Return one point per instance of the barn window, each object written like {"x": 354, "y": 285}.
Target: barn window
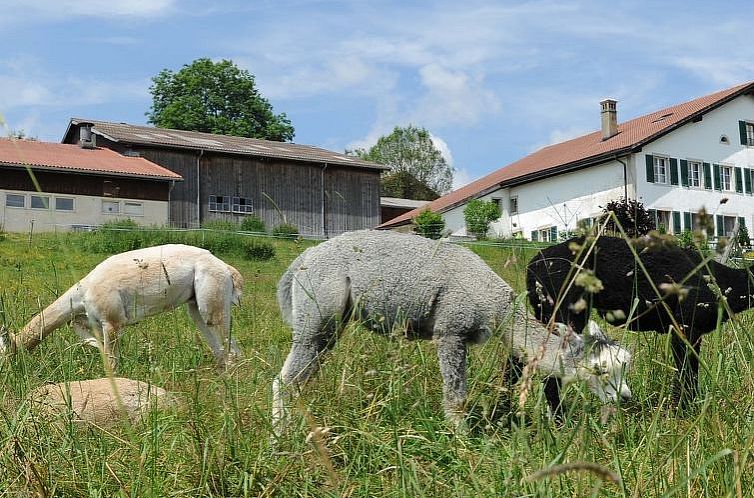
{"x": 15, "y": 200}
{"x": 133, "y": 208}
{"x": 40, "y": 202}
{"x": 110, "y": 207}
{"x": 242, "y": 205}
{"x": 219, "y": 203}
{"x": 63, "y": 204}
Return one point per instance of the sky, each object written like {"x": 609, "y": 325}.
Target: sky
{"x": 492, "y": 81}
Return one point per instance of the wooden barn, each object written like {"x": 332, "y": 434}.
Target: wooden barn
{"x": 323, "y": 193}
{"x": 49, "y": 186}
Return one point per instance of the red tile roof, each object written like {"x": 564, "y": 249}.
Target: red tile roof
{"x": 582, "y": 151}
{"x": 73, "y": 158}
{"x": 166, "y": 137}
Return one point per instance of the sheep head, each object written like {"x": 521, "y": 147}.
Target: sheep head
{"x": 601, "y": 362}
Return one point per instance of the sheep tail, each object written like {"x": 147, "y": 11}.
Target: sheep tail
{"x": 238, "y": 282}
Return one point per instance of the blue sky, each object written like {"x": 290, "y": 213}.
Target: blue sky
{"x": 492, "y": 81}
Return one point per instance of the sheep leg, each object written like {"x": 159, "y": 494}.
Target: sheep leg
{"x": 686, "y": 384}
{"x": 451, "y": 353}
{"x": 552, "y": 395}
{"x": 302, "y": 362}
{"x": 110, "y": 345}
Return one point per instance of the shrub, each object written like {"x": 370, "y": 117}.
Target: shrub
{"x": 286, "y": 231}
{"x": 632, "y": 216}
{"x": 258, "y": 250}
{"x": 220, "y": 225}
{"x": 429, "y": 224}
{"x": 478, "y": 215}
{"x": 253, "y": 223}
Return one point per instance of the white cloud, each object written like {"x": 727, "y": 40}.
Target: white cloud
{"x": 443, "y": 147}
{"x": 462, "y": 177}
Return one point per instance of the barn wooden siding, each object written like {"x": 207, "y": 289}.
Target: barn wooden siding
{"x": 276, "y": 187}
{"x": 75, "y": 183}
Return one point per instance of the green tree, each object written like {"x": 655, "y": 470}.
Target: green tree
{"x": 479, "y": 214}
{"x": 215, "y": 97}
{"x": 410, "y": 153}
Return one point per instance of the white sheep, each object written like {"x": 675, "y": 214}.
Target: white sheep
{"x": 127, "y": 287}
{"x": 436, "y": 290}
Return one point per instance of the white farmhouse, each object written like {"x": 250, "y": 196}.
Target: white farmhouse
{"x": 676, "y": 161}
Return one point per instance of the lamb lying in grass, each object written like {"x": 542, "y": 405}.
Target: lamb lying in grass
{"x": 438, "y": 291}
{"x": 130, "y": 286}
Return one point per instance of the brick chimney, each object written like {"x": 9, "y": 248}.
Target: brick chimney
{"x": 609, "y": 116}
{"x": 87, "y": 139}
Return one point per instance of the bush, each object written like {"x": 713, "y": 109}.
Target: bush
{"x": 220, "y": 225}
{"x": 429, "y": 224}
{"x": 632, "y": 216}
{"x": 253, "y": 223}
{"x": 286, "y": 231}
{"x": 258, "y": 250}
{"x": 478, "y": 215}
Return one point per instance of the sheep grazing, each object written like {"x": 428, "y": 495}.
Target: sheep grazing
{"x": 691, "y": 292}
{"x": 130, "y": 286}
{"x": 436, "y": 290}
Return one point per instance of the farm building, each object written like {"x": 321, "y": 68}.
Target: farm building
{"x": 394, "y": 206}
{"x": 323, "y": 193}
{"x": 675, "y": 160}
{"x": 50, "y": 186}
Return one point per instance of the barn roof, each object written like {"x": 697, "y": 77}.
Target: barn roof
{"x": 583, "y": 151}
{"x": 73, "y": 158}
{"x": 195, "y": 140}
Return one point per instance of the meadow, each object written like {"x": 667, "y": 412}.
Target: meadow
{"x": 371, "y": 423}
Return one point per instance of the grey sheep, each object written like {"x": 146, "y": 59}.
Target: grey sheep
{"x": 436, "y": 290}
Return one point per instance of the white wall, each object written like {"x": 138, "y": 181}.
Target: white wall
{"x": 87, "y": 210}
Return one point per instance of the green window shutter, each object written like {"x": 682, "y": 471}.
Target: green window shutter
{"x": 673, "y": 171}
{"x": 707, "y": 176}
{"x": 553, "y": 234}
{"x": 677, "y": 222}
{"x": 747, "y": 180}
{"x": 739, "y": 181}
{"x": 653, "y": 216}
{"x": 687, "y": 221}
{"x": 742, "y": 131}
{"x": 534, "y": 235}
{"x": 684, "y": 173}
{"x": 650, "y": 168}
{"x": 720, "y": 225}
{"x": 716, "y": 174}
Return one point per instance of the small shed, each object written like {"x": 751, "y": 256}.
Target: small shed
{"x": 392, "y": 207}
{"x": 49, "y": 186}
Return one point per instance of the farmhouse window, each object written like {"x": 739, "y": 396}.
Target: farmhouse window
{"x": 661, "y": 169}
{"x": 110, "y": 207}
{"x": 242, "y": 205}
{"x": 133, "y": 208}
{"x": 513, "y": 208}
{"x": 219, "y": 203}
{"x": 726, "y": 173}
{"x": 695, "y": 174}
{"x": 15, "y": 200}
{"x": 63, "y": 204}
{"x": 549, "y": 234}
{"x": 40, "y": 202}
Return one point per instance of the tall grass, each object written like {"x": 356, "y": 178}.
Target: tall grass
{"x": 375, "y": 409}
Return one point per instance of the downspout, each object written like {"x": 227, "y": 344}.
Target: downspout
{"x": 625, "y": 178}
{"x": 198, "y": 189}
{"x": 322, "y": 195}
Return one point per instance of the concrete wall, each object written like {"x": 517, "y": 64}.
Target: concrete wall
{"x": 87, "y": 210}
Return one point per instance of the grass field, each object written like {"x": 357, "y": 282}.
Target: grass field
{"x": 378, "y": 403}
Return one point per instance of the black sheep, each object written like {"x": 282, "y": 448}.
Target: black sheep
{"x": 690, "y": 294}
